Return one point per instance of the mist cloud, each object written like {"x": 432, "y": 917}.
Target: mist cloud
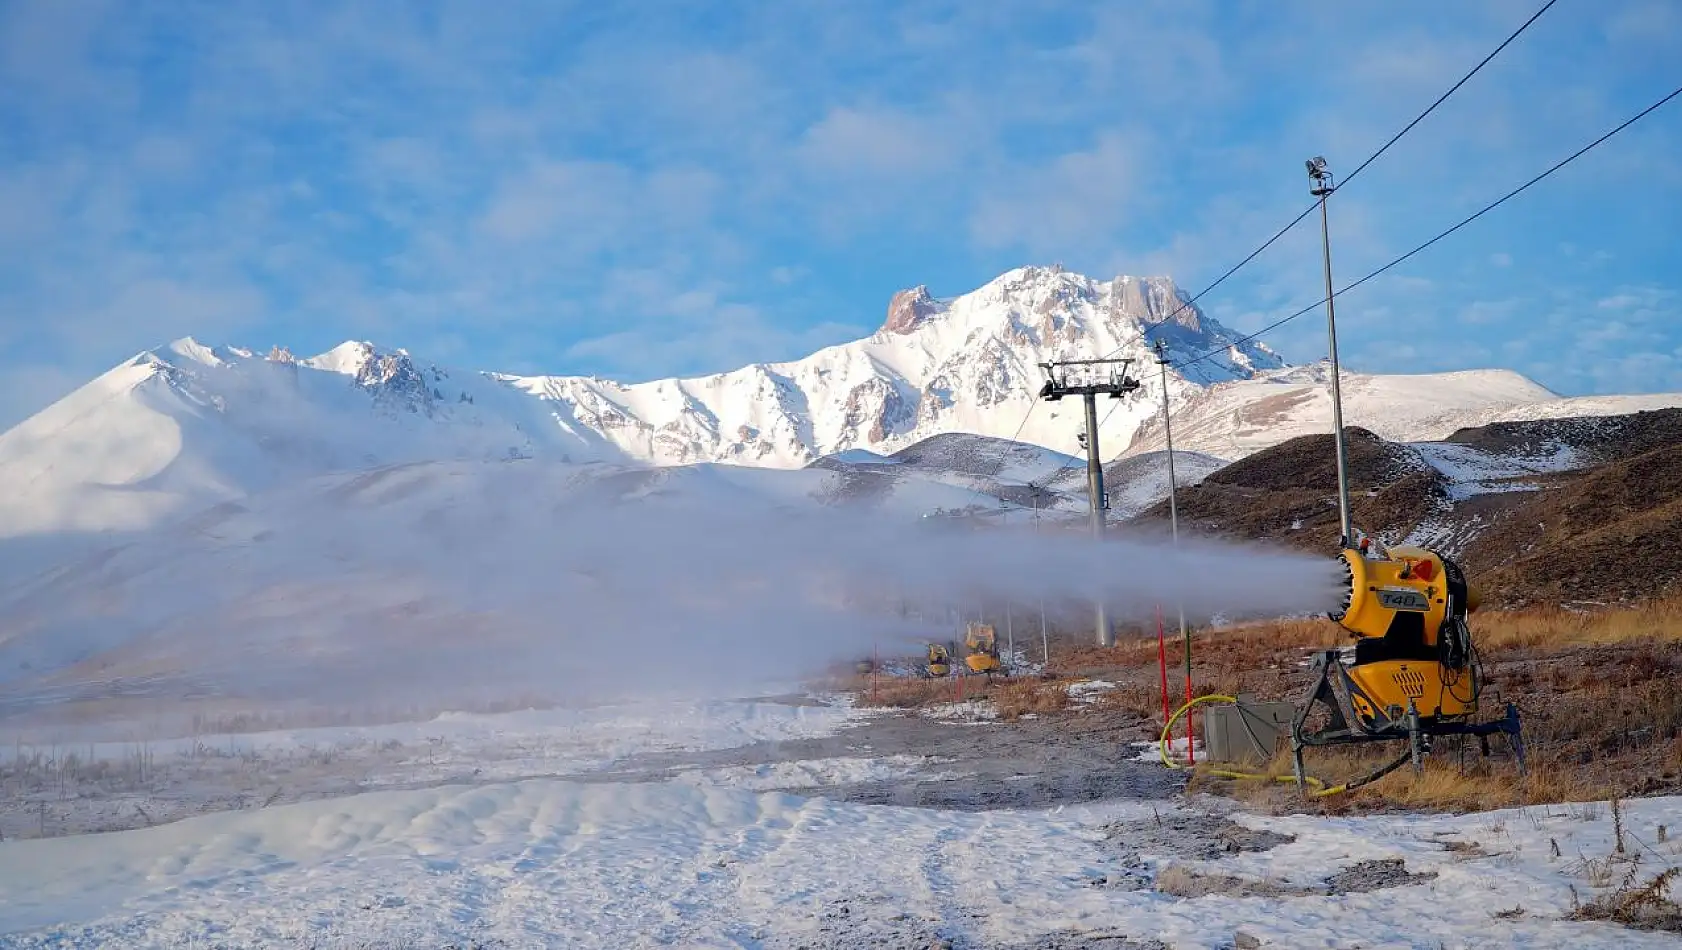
{"x": 428, "y": 582}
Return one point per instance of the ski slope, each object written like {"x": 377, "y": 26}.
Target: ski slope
{"x": 547, "y": 863}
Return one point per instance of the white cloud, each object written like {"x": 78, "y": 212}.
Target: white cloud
{"x": 1078, "y": 197}
{"x": 851, "y": 141}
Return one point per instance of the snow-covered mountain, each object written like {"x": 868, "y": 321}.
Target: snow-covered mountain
{"x": 963, "y": 365}
{"x": 187, "y": 426}
{"x": 1231, "y": 420}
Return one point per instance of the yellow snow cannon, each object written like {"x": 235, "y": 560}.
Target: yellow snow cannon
{"x": 1415, "y": 672}
{"x": 983, "y": 644}
{"x": 939, "y": 662}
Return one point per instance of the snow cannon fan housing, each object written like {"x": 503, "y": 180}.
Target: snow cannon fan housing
{"x": 1407, "y": 611}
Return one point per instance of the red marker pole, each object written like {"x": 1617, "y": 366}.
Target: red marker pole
{"x": 1191, "y": 752}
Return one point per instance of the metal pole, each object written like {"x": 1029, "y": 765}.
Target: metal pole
{"x": 1174, "y": 510}
{"x": 1045, "y": 640}
{"x": 1095, "y": 490}
{"x": 1322, "y": 188}
{"x": 1010, "y": 635}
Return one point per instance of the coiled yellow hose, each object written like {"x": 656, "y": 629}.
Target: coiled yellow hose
{"x": 1162, "y": 746}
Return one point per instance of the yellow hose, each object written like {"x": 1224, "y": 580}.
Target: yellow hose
{"x": 1162, "y": 747}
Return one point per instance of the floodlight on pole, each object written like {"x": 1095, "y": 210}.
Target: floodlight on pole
{"x": 1323, "y": 185}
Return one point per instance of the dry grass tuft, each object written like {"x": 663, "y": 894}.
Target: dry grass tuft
{"x": 895, "y": 692}
{"x": 1440, "y": 786}
{"x": 1012, "y": 695}
{"x": 1642, "y": 906}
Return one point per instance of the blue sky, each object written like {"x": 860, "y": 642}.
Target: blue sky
{"x": 681, "y": 187}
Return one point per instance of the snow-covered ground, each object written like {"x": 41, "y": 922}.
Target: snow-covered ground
{"x": 735, "y": 856}
{"x": 76, "y": 787}
{"x": 550, "y": 863}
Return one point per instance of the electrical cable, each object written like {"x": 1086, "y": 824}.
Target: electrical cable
{"x": 1440, "y": 99}
{"x": 1463, "y": 222}
{"x": 1321, "y": 789}
{"x": 1358, "y": 169}
{"x": 1144, "y": 329}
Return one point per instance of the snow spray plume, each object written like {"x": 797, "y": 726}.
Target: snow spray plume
{"x": 434, "y": 584}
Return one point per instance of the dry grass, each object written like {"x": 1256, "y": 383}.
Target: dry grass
{"x": 1019, "y": 694}
{"x": 896, "y": 692}
{"x": 1440, "y": 786}
{"x": 1545, "y": 628}
{"x": 1035, "y": 696}
{"x": 1599, "y": 695}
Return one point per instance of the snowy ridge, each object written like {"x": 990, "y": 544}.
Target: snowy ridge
{"x": 967, "y": 365}
{"x": 1233, "y": 419}
{"x": 188, "y": 425}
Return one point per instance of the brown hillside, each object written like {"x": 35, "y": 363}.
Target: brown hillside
{"x": 1595, "y": 439}
{"x": 1287, "y": 493}
{"x": 1606, "y": 534}
{"x": 1609, "y": 531}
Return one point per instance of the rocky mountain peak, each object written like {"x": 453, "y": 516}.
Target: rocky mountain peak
{"x": 909, "y": 308}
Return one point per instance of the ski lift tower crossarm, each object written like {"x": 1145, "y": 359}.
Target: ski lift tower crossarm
{"x": 1117, "y": 384}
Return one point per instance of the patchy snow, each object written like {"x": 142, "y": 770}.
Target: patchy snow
{"x": 1472, "y": 471}
{"x": 1087, "y": 691}
{"x": 82, "y": 787}
{"x": 814, "y": 773}
{"x": 602, "y": 865}
{"x": 1152, "y": 751}
{"x": 969, "y": 710}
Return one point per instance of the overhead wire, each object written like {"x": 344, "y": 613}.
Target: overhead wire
{"x": 1144, "y": 329}
{"x": 1462, "y": 223}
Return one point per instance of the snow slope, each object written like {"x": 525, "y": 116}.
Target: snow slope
{"x": 548, "y": 863}
{"x": 187, "y": 426}
{"x": 1233, "y": 419}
